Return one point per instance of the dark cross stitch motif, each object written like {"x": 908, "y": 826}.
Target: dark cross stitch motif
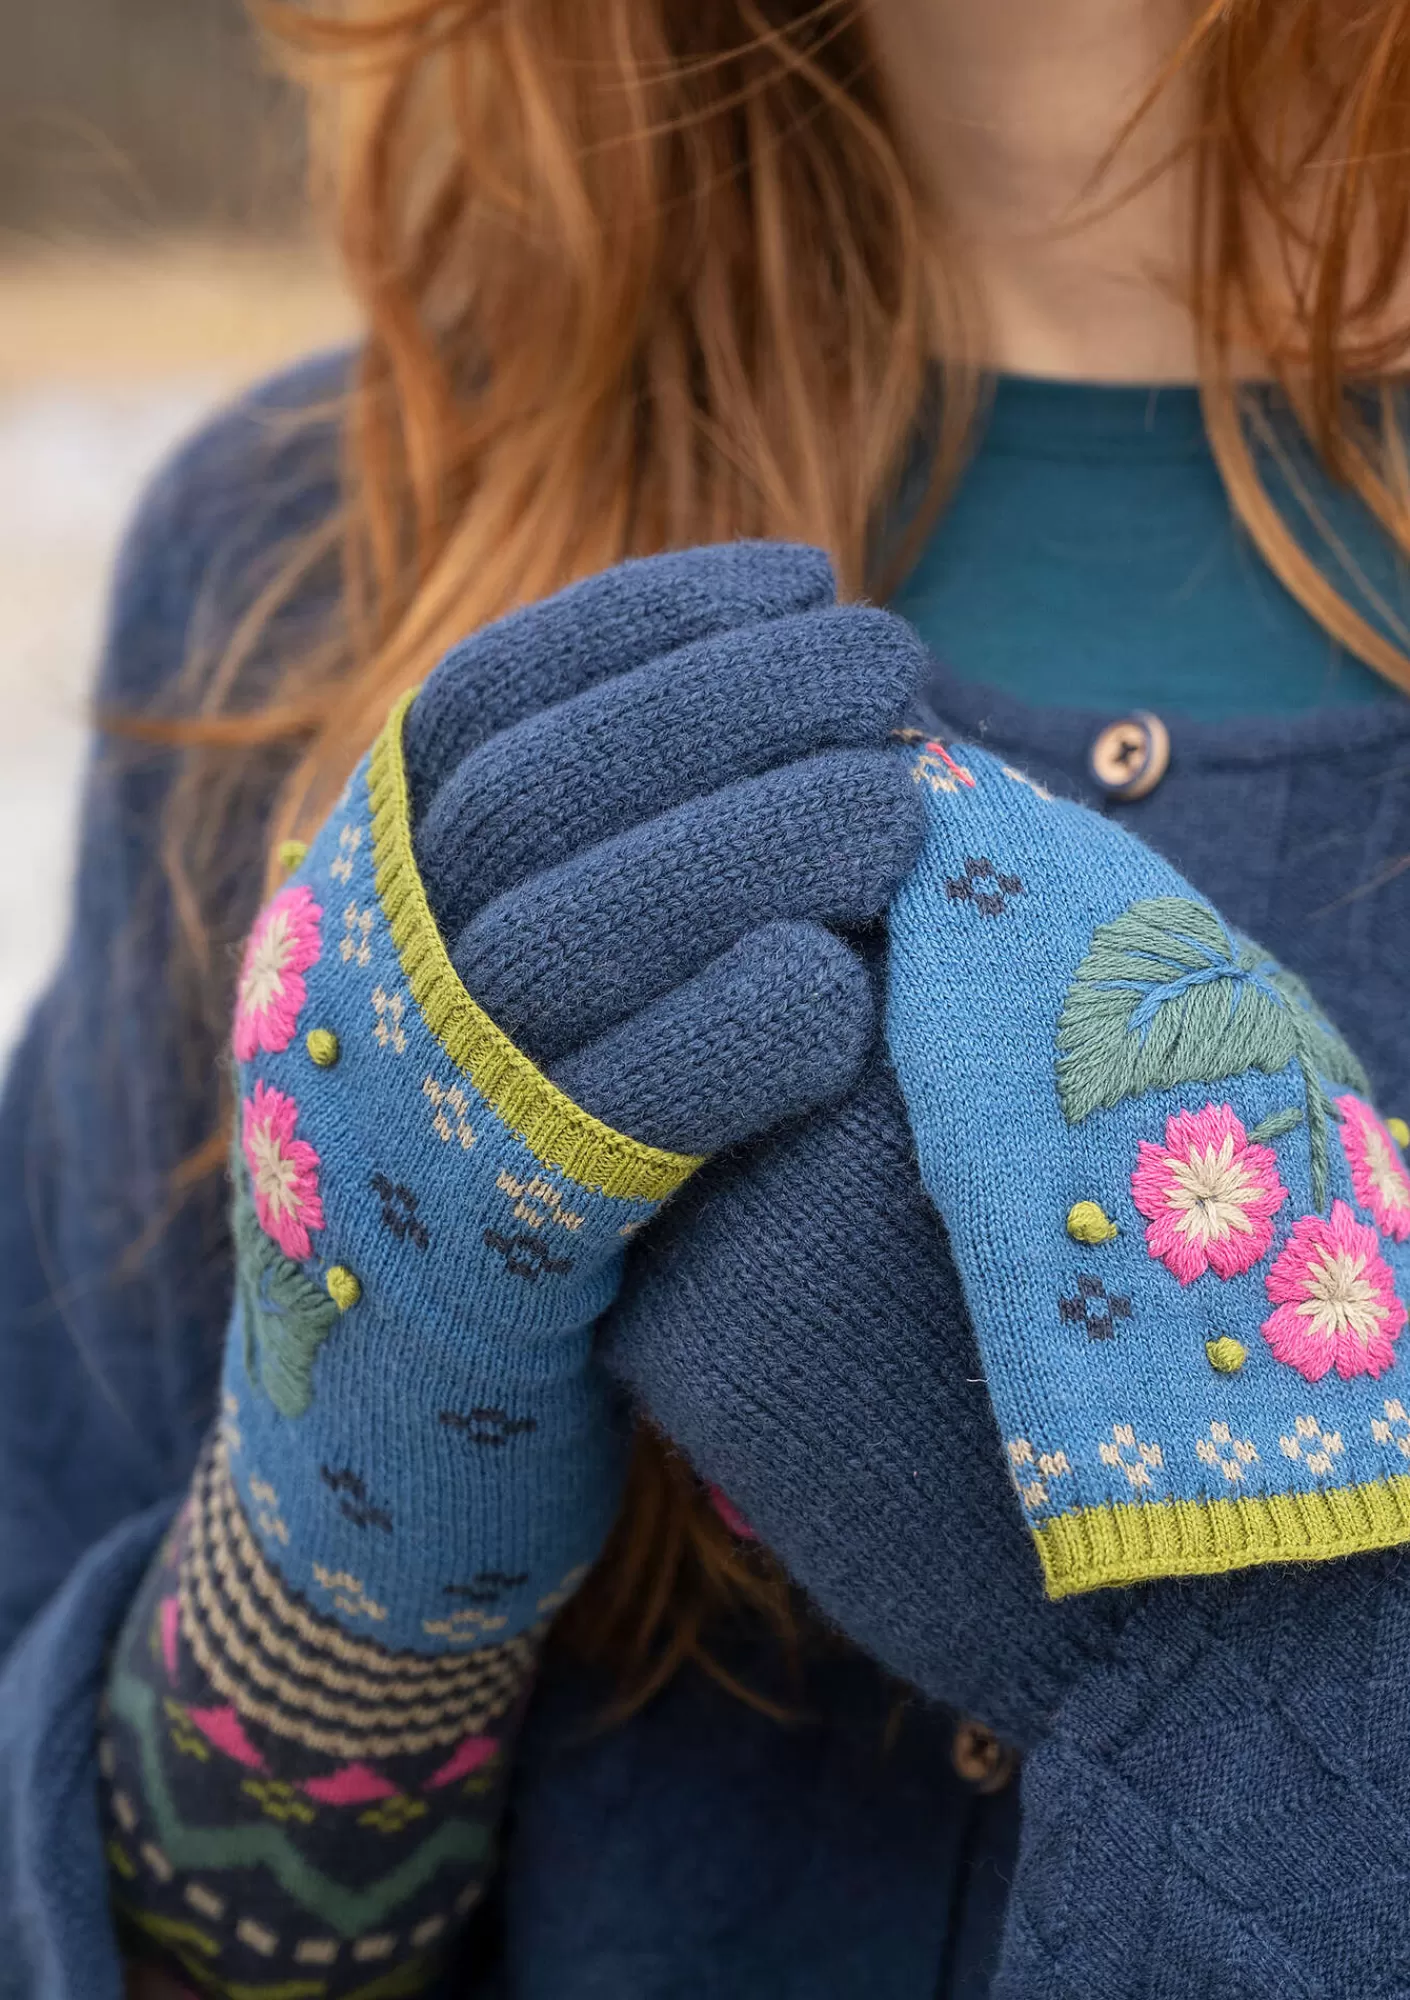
{"x": 990, "y": 902}
{"x": 399, "y": 1206}
{"x": 487, "y": 1426}
{"x": 1094, "y": 1309}
{"x": 487, "y": 1586}
{"x": 525, "y": 1256}
{"x": 354, "y": 1505}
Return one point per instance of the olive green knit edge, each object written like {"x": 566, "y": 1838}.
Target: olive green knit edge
{"x": 1095, "y": 1547}
{"x": 559, "y": 1133}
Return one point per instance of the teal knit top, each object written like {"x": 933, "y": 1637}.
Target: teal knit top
{"x": 1091, "y": 560}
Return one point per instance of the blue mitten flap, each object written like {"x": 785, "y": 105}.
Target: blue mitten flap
{"x": 1183, "y": 1230}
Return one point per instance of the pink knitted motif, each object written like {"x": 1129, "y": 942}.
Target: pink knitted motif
{"x": 353, "y": 1785}
{"x": 223, "y": 1728}
{"x": 170, "y": 1617}
{"x": 462, "y": 1763}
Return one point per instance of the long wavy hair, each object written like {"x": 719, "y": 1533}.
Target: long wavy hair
{"x": 637, "y": 274}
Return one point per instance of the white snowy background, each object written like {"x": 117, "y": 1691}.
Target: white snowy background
{"x": 102, "y": 370}
{"x": 71, "y": 460}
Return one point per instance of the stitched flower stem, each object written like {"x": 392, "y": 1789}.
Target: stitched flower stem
{"x": 1320, "y": 1112}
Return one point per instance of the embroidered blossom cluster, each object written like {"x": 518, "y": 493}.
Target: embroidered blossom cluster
{"x": 1210, "y": 1195}
{"x": 271, "y": 993}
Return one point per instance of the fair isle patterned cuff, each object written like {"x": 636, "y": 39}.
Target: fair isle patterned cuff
{"x": 1183, "y": 1231}
{"x": 298, "y": 1674}
{"x": 293, "y": 1812}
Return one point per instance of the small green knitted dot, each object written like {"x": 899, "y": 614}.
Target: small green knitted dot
{"x": 1399, "y": 1131}
{"x": 343, "y": 1288}
{"x": 1087, "y": 1223}
{"x": 322, "y": 1045}
{"x": 291, "y": 853}
{"x": 1227, "y": 1355}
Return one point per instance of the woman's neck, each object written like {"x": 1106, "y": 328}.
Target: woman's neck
{"x": 1008, "y": 108}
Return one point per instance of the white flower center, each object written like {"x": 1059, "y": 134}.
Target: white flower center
{"x": 1212, "y": 1193}
{"x": 1341, "y": 1299}
{"x": 274, "y": 1173}
{"x": 263, "y": 979}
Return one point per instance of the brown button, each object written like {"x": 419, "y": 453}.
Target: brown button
{"x": 980, "y": 1758}
{"x": 1131, "y": 757}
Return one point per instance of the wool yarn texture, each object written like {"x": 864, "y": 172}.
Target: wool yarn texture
{"x": 1182, "y": 1228}
{"x": 426, "y": 1231}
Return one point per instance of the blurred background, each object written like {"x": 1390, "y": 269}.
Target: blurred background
{"x": 155, "y": 256}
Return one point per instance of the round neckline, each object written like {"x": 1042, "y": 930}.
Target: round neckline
{"x": 1065, "y": 735}
{"x": 1055, "y": 419}
{"x": 1046, "y": 417}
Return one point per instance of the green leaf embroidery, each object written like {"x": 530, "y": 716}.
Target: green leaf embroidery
{"x": 1166, "y": 995}
{"x": 1276, "y": 1125}
{"x": 286, "y": 1316}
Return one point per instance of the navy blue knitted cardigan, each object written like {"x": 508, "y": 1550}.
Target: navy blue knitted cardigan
{"x": 701, "y": 1850}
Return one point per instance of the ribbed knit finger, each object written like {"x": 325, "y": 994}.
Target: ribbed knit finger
{"x": 778, "y": 1026}
{"x": 572, "y": 952}
{"x": 629, "y": 749}
{"x": 606, "y": 625}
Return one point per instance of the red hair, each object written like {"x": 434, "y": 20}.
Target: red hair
{"x": 639, "y": 274}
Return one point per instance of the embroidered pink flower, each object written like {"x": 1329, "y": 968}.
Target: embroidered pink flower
{"x": 1335, "y": 1299}
{"x": 1208, "y": 1195}
{"x": 283, "y": 1171}
{"x": 282, "y": 946}
{"x": 1377, "y": 1171}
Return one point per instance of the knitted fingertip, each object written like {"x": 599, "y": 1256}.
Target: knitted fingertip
{"x": 595, "y": 630}
{"x": 713, "y": 715}
{"x": 771, "y": 1030}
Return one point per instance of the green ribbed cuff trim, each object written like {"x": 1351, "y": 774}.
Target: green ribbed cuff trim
{"x": 558, "y": 1132}
{"x": 1095, "y": 1547}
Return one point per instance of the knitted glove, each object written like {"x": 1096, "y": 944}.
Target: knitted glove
{"x": 631, "y": 886}
{"x": 794, "y": 1322}
{"x": 1179, "y": 1228}
{"x": 418, "y": 1456}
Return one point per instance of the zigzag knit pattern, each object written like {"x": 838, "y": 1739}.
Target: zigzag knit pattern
{"x": 1183, "y": 1231}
